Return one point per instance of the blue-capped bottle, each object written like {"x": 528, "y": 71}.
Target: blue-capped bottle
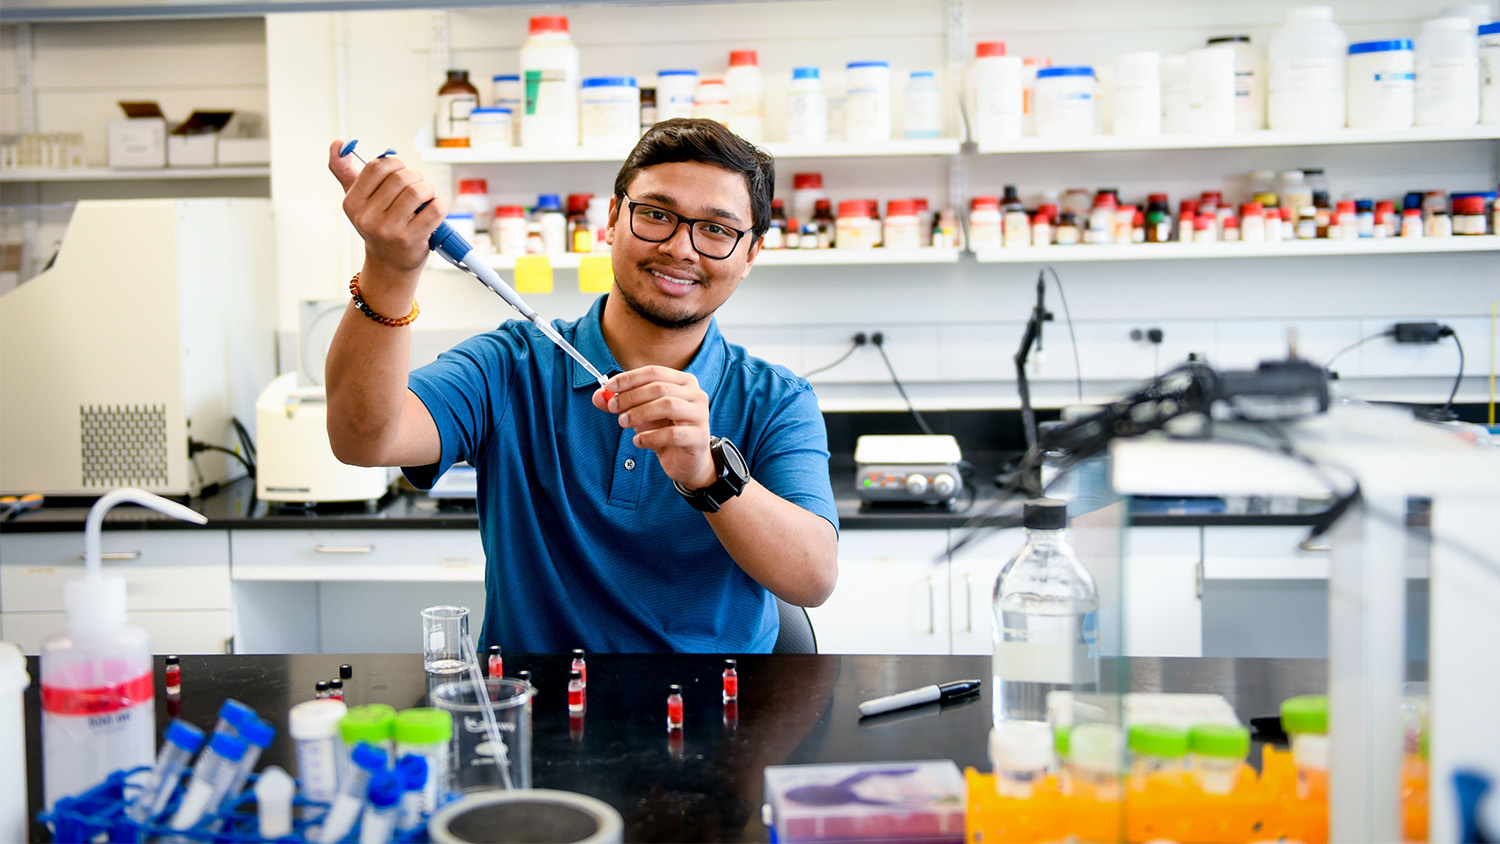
{"x": 1045, "y": 618}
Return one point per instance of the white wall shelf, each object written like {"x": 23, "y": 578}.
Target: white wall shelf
{"x": 900, "y": 147}
{"x": 1267, "y": 138}
{"x": 767, "y": 258}
{"x": 105, "y": 174}
{"x": 1201, "y": 251}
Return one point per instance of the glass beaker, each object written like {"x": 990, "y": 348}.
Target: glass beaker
{"x": 478, "y": 764}
{"x": 444, "y": 630}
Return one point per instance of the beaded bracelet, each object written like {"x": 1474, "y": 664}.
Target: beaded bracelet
{"x": 359, "y": 302}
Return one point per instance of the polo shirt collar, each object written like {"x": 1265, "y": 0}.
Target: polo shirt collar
{"x": 707, "y": 365}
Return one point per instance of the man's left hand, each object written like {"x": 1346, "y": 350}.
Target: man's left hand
{"x": 669, "y": 413}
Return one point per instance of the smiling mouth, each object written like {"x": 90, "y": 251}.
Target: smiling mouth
{"x": 672, "y": 279}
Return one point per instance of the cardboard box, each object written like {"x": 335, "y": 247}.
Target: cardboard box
{"x": 139, "y": 141}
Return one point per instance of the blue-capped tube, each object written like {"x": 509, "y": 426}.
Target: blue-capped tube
{"x": 211, "y": 776}
{"x": 379, "y": 819}
{"x": 412, "y": 769}
{"x": 232, "y": 715}
{"x": 368, "y": 761}
{"x": 257, "y": 733}
{"x": 183, "y": 740}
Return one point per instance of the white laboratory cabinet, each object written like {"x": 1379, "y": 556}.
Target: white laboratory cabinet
{"x": 891, "y": 597}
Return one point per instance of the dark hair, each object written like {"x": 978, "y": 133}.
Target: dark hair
{"x": 708, "y": 142}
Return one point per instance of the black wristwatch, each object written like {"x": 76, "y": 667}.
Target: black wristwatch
{"x": 733, "y": 474}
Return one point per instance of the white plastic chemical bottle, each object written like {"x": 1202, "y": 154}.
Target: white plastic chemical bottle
{"x": 806, "y": 108}
{"x": 97, "y": 690}
{"x": 549, "y": 85}
{"x": 1305, "y": 79}
{"x": 1045, "y": 615}
{"x": 922, "y": 106}
{"x": 1249, "y": 82}
{"x": 1447, "y": 84}
{"x": 994, "y": 94}
{"x": 746, "y": 96}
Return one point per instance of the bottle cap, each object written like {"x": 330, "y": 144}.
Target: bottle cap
{"x": 1346, "y": 206}
{"x": 322, "y": 685}
{"x": 979, "y": 203}
{"x": 227, "y": 746}
{"x": 1056, "y": 72}
{"x": 549, "y": 23}
{"x": 1158, "y": 740}
{"x": 1219, "y": 740}
{"x": 856, "y": 208}
{"x": 778, "y": 202}
{"x": 368, "y": 757}
{"x": 985, "y": 49}
{"x": 336, "y": 683}
{"x": 1468, "y": 205}
{"x": 1310, "y": 13}
{"x": 235, "y": 713}
{"x": 423, "y": 725}
{"x": 1448, "y": 25}
{"x": 1229, "y": 39}
{"x": 1305, "y": 714}
{"x": 473, "y": 186}
{"x": 1380, "y": 46}
{"x": 822, "y": 205}
{"x": 578, "y": 203}
{"x": 677, "y": 72}
{"x": 920, "y": 202}
{"x": 371, "y": 722}
{"x": 346, "y": 671}
{"x": 1045, "y": 514}
{"x": 856, "y": 65}
{"x": 742, "y": 58}
{"x": 575, "y": 674}
{"x": 1095, "y": 746}
{"x": 315, "y": 719}
{"x": 258, "y": 732}
{"x": 385, "y": 790}
{"x": 494, "y": 650}
{"x": 805, "y": 73}
{"x": 1487, "y": 29}
{"x": 510, "y": 211}
{"x": 729, "y": 663}
{"x": 548, "y": 202}
{"x": 173, "y": 659}
{"x": 901, "y": 207}
{"x": 412, "y": 769}
{"x": 609, "y": 82}
{"x": 578, "y": 653}
{"x": 807, "y": 181}
{"x": 921, "y": 74}
{"x": 185, "y": 735}
{"x": 1251, "y": 209}
{"x": 674, "y": 689}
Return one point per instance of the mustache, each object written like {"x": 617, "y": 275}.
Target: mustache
{"x": 648, "y": 266}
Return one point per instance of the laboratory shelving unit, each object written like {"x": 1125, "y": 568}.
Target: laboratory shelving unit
{"x": 898, "y": 147}
{"x": 1240, "y": 250}
{"x": 105, "y": 174}
{"x": 1238, "y": 140}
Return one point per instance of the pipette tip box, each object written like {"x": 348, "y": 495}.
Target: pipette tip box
{"x": 920, "y": 801}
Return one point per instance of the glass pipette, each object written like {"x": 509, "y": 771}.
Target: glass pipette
{"x": 455, "y": 250}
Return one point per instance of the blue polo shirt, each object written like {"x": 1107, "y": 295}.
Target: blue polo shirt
{"x": 588, "y": 543}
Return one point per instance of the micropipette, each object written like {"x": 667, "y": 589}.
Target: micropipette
{"x": 455, "y": 250}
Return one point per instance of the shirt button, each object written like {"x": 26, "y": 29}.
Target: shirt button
{"x": 629, "y": 463}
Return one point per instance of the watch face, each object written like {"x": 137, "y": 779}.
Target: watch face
{"x": 733, "y": 459}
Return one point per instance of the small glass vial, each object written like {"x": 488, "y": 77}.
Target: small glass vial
{"x": 321, "y": 690}
{"x": 731, "y": 681}
{"x": 1218, "y": 752}
{"x": 1411, "y": 222}
{"x": 1305, "y": 719}
{"x": 172, "y": 675}
{"x": 732, "y": 716}
{"x": 575, "y": 691}
{"x": 1468, "y": 215}
{"x": 1157, "y": 750}
{"x": 674, "y": 707}
{"x": 336, "y": 689}
{"x": 579, "y": 666}
{"x": 525, "y": 677}
{"x": 1020, "y": 754}
{"x": 1439, "y": 224}
{"x": 1094, "y": 752}
{"x": 496, "y": 663}
{"x": 455, "y": 101}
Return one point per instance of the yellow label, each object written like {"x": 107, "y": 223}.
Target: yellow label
{"x": 533, "y": 274}
{"x": 596, "y": 274}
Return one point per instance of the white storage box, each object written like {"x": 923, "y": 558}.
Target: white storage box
{"x": 244, "y": 152}
{"x": 140, "y": 141}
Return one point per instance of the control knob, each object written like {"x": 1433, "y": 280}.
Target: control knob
{"x": 944, "y": 485}
{"x": 916, "y": 484}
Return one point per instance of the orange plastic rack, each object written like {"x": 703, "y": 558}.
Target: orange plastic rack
{"x": 1260, "y": 808}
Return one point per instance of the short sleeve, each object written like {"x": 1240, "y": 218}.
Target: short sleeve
{"x": 790, "y": 457}
{"x": 460, "y": 389}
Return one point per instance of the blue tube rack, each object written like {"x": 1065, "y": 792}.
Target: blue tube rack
{"x": 102, "y": 811}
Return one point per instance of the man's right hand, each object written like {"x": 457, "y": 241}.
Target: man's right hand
{"x": 382, "y": 200}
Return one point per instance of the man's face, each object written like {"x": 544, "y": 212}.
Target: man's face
{"x": 670, "y": 284}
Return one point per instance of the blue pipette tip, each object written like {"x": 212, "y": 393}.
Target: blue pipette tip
{"x": 348, "y": 148}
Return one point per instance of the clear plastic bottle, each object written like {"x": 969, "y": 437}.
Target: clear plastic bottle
{"x": 1045, "y": 606}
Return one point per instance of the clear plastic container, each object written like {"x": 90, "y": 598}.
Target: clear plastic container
{"x": 1305, "y": 71}
{"x": 1095, "y": 754}
{"x": 507, "y": 93}
{"x": 806, "y": 107}
{"x": 746, "y": 96}
{"x": 868, "y": 105}
{"x": 1065, "y": 102}
{"x": 1218, "y": 753}
{"x": 995, "y": 94}
{"x": 1044, "y": 611}
{"x": 1157, "y": 750}
{"x": 314, "y": 728}
{"x": 1447, "y": 65}
{"x": 549, "y": 71}
{"x": 1249, "y": 82}
{"x": 490, "y": 128}
{"x": 1305, "y": 720}
{"x": 1382, "y": 84}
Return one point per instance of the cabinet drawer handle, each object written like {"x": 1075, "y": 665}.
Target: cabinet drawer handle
{"x": 968, "y": 602}
{"x": 345, "y": 549}
{"x": 931, "y": 607}
{"x": 115, "y": 555}
{"x": 1310, "y": 545}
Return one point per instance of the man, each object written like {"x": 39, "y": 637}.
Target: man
{"x": 618, "y": 524}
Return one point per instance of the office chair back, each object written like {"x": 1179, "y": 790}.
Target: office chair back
{"x": 796, "y": 636}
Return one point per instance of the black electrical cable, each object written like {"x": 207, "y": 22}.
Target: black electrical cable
{"x": 247, "y": 444}
{"x": 199, "y": 446}
{"x": 859, "y": 340}
{"x": 1447, "y": 411}
{"x": 1068, "y": 314}
{"x": 880, "y": 347}
{"x": 1328, "y": 367}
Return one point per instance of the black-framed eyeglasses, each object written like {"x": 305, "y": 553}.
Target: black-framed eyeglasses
{"x": 709, "y": 238}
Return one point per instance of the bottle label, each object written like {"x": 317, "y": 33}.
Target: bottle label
{"x": 453, "y": 117}
{"x": 98, "y": 700}
{"x": 546, "y": 92}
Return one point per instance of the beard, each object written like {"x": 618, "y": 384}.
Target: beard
{"x": 671, "y": 319}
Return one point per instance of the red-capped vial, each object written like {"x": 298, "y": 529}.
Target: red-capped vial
{"x": 575, "y": 691}
{"x": 731, "y": 681}
{"x": 579, "y": 665}
{"x": 674, "y": 707}
{"x": 172, "y": 675}
{"x": 497, "y": 665}
{"x": 336, "y": 688}
{"x": 321, "y": 689}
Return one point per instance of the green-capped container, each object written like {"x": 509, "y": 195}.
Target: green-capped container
{"x": 1305, "y": 714}
{"x": 423, "y": 725}
{"x": 1219, "y": 751}
{"x": 1161, "y": 740}
{"x": 371, "y": 723}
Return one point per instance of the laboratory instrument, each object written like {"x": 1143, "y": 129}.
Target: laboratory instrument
{"x": 919, "y": 696}
{"x": 560, "y": 812}
{"x": 98, "y": 681}
{"x": 1020, "y": 754}
{"x": 182, "y": 741}
{"x": 907, "y": 469}
{"x": 366, "y": 762}
{"x": 295, "y": 462}
{"x": 444, "y": 630}
{"x": 456, "y": 251}
{"x": 371, "y": 723}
